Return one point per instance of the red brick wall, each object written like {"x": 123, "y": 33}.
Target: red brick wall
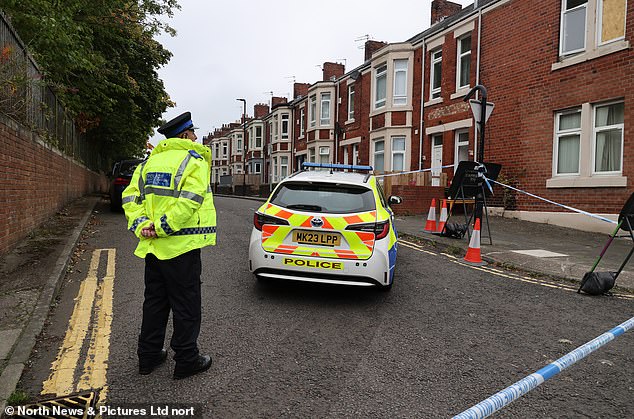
{"x": 517, "y": 71}
{"x": 378, "y": 121}
{"x": 399, "y": 118}
{"x": 36, "y": 181}
{"x": 416, "y": 199}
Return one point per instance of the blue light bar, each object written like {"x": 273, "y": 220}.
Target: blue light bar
{"x": 337, "y": 166}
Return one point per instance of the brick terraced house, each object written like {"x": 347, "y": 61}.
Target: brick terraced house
{"x": 560, "y": 73}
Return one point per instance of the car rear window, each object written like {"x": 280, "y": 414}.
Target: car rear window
{"x": 127, "y": 167}
{"x": 324, "y": 197}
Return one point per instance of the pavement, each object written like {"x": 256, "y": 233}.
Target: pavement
{"x": 31, "y": 274}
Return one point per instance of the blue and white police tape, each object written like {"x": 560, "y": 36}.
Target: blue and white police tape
{"x": 598, "y": 217}
{"x": 496, "y": 402}
{"x": 417, "y": 171}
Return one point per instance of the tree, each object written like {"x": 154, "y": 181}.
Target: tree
{"x": 101, "y": 58}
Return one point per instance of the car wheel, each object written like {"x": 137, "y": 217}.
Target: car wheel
{"x": 386, "y": 288}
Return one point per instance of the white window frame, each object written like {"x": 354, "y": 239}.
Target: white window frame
{"x": 562, "y": 27}
{"x": 398, "y": 152}
{"x": 324, "y": 108}
{"x": 460, "y": 143}
{"x": 283, "y": 167}
{"x": 324, "y": 154}
{"x": 588, "y": 177}
{"x": 351, "y": 94}
{"x": 400, "y": 69}
{"x": 355, "y": 154}
{"x": 436, "y": 58}
{"x": 380, "y": 73}
{"x": 376, "y": 153}
{"x": 257, "y": 168}
{"x": 462, "y": 54}
{"x": 312, "y": 111}
{"x": 302, "y": 121}
{"x": 225, "y": 149}
{"x": 258, "y": 138}
{"x": 565, "y": 133}
{"x": 276, "y": 128}
{"x": 238, "y": 143}
{"x": 285, "y": 126}
{"x": 596, "y": 130}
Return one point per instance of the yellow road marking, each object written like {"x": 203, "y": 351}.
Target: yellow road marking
{"x": 96, "y": 365}
{"x": 93, "y": 296}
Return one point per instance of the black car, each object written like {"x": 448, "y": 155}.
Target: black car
{"x": 122, "y": 172}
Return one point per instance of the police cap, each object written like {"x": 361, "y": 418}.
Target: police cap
{"x": 177, "y": 125}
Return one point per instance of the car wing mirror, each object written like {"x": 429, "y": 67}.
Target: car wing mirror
{"x": 394, "y": 199}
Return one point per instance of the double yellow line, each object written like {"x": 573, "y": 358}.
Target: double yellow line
{"x": 92, "y": 313}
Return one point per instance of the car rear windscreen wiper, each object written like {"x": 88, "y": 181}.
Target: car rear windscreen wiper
{"x": 306, "y": 207}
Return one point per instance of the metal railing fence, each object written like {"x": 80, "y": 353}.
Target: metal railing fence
{"x": 26, "y": 98}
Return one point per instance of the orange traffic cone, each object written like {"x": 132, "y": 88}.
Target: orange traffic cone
{"x": 473, "y": 256}
{"x": 430, "y": 225}
{"x": 443, "y": 216}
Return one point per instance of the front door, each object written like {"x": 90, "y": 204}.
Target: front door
{"x": 436, "y": 159}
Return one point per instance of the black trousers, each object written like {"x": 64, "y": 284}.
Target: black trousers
{"x": 172, "y": 284}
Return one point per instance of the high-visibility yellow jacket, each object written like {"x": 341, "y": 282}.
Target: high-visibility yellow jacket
{"x": 171, "y": 189}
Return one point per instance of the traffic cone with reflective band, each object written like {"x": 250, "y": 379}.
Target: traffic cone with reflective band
{"x": 430, "y": 225}
{"x": 473, "y": 256}
{"x": 443, "y": 216}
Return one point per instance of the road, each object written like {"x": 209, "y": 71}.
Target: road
{"x": 445, "y": 337}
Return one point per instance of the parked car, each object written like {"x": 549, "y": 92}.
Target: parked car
{"x": 331, "y": 226}
{"x": 122, "y": 172}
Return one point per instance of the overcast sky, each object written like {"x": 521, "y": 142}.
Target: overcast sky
{"x": 225, "y": 50}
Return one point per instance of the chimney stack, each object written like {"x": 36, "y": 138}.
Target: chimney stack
{"x": 300, "y": 89}
{"x": 260, "y": 110}
{"x": 333, "y": 71}
{"x": 442, "y": 9}
{"x": 371, "y": 47}
{"x": 275, "y": 100}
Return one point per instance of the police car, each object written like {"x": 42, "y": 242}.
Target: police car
{"x": 326, "y": 225}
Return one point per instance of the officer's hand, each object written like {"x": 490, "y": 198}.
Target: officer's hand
{"x": 149, "y": 232}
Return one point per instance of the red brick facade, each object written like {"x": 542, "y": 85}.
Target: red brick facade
{"x": 517, "y": 58}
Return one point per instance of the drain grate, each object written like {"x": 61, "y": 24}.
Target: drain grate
{"x": 77, "y": 406}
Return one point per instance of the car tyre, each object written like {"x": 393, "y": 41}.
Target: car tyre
{"x": 386, "y": 288}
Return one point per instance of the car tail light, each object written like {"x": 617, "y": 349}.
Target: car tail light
{"x": 121, "y": 181}
{"x": 380, "y": 229}
{"x": 260, "y": 219}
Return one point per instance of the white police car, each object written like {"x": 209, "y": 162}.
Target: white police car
{"x": 328, "y": 226}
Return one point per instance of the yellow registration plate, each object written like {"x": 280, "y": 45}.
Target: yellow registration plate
{"x": 316, "y": 237}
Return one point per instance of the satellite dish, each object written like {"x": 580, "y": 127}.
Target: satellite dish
{"x": 355, "y": 74}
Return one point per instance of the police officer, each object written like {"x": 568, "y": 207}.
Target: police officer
{"x": 169, "y": 207}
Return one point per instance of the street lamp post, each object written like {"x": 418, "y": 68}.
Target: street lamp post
{"x": 244, "y": 144}
{"x": 479, "y": 198}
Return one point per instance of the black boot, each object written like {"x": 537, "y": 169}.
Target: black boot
{"x": 146, "y": 367}
{"x": 201, "y": 364}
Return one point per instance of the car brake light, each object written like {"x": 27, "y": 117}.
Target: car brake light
{"x": 121, "y": 181}
{"x": 380, "y": 229}
{"x": 260, "y": 219}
